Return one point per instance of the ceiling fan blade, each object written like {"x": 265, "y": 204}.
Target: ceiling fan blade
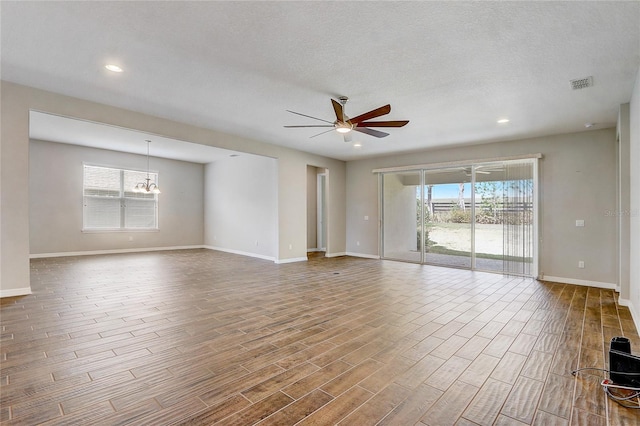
{"x": 308, "y": 116}
{"x": 372, "y": 114}
{"x": 321, "y": 133}
{"x": 383, "y": 123}
{"x": 490, "y": 169}
{"x": 311, "y": 125}
{"x": 376, "y": 133}
{"x": 338, "y": 110}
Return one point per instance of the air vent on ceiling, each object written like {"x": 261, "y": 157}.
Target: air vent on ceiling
{"x": 581, "y": 83}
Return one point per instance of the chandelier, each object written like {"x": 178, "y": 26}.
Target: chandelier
{"x": 147, "y": 187}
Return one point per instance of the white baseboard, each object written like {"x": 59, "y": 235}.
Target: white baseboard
{"x": 13, "y": 292}
{"x": 291, "y": 260}
{"x": 242, "y": 253}
{"x": 335, "y": 254}
{"x": 366, "y": 256}
{"x": 635, "y": 315}
{"x": 587, "y": 283}
{"x": 314, "y": 250}
{"x": 114, "y": 251}
{"x": 624, "y": 302}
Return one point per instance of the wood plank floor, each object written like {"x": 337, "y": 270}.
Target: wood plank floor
{"x": 200, "y": 337}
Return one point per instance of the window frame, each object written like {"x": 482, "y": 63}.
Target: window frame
{"x": 122, "y": 200}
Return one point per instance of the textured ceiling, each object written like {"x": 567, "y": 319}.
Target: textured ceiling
{"x": 451, "y": 68}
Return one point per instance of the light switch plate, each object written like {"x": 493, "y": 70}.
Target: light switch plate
{"x": 580, "y": 222}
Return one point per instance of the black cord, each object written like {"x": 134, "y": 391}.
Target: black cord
{"x": 621, "y": 399}
{"x": 617, "y": 397}
{"x": 574, "y": 372}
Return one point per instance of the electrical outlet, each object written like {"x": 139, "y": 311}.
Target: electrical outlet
{"x": 366, "y": 218}
{"x": 581, "y": 264}
{"x": 357, "y": 243}
{"x": 130, "y": 238}
{"x": 290, "y": 246}
{"x": 580, "y": 222}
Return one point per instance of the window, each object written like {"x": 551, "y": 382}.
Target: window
{"x": 110, "y": 203}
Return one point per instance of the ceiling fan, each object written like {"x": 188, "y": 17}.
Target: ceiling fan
{"x": 480, "y": 170}
{"x": 345, "y": 125}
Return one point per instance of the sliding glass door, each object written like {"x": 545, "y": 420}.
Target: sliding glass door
{"x": 504, "y": 217}
{"x": 448, "y": 217}
{"x": 479, "y": 216}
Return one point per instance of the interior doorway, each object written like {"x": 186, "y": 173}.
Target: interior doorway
{"x": 317, "y": 220}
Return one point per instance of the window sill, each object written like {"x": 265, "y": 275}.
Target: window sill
{"x": 118, "y": 230}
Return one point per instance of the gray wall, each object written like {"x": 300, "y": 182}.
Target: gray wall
{"x": 577, "y": 179}
{"x": 241, "y": 205}
{"x": 55, "y": 200}
{"x": 400, "y": 210}
{"x": 17, "y": 100}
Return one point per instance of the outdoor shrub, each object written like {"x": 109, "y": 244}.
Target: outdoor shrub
{"x": 428, "y": 241}
{"x": 488, "y": 218}
{"x": 457, "y": 215}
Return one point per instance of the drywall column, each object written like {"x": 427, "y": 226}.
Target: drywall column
{"x": 312, "y": 207}
{"x": 14, "y": 194}
{"x": 634, "y": 202}
{"x": 624, "y": 206}
{"x": 292, "y": 208}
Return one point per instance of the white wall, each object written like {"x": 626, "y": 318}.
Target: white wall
{"x": 18, "y": 100}
{"x": 241, "y": 206}
{"x": 634, "y": 202}
{"x": 55, "y": 201}
{"x": 578, "y": 181}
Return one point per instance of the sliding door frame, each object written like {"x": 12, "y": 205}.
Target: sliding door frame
{"x": 533, "y": 159}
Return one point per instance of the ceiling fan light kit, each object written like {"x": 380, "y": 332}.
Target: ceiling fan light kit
{"x": 343, "y": 129}
{"x": 343, "y": 124}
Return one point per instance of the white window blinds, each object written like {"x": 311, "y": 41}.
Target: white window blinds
{"x": 111, "y": 204}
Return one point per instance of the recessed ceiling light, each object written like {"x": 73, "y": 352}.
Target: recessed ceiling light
{"x": 503, "y": 121}
{"x": 589, "y": 125}
{"x": 113, "y": 68}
